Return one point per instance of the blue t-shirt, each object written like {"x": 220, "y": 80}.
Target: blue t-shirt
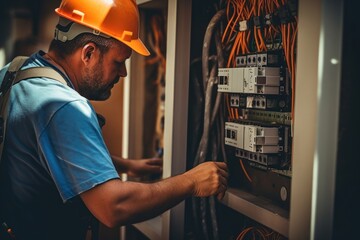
{"x": 54, "y": 150}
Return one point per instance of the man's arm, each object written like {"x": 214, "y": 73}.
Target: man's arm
{"x": 117, "y": 203}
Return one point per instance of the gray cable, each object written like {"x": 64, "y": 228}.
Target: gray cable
{"x": 209, "y": 80}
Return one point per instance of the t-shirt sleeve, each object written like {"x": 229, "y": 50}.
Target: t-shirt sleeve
{"x": 74, "y": 151}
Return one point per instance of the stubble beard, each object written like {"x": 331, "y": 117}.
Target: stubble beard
{"x": 92, "y": 86}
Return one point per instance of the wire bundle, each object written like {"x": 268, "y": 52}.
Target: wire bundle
{"x": 259, "y": 26}
{"x": 259, "y": 233}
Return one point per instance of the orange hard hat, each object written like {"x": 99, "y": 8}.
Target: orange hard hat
{"x": 118, "y": 19}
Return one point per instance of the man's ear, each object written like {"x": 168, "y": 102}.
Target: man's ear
{"x": 87, "y": 52}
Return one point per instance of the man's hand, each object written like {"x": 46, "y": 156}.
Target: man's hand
{"x": 138, "y": 167}
{"x": 209, "y": 178}
{"x": 143, "y": 167}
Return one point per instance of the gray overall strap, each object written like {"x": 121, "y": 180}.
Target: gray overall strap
{"x": 16, "y": 76}
{"x": 46, "y": 72}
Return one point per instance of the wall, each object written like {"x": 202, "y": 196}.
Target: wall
{"x": 305, "y": 118}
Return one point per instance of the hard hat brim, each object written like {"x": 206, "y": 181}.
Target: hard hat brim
{"x": 138, "y": 46}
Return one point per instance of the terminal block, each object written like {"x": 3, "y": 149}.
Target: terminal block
{"x": 263, "y": 59}
{"x": 260, "y": 158}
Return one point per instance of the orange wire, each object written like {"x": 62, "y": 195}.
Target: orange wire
{"x": 252, "y": 11}
{"x": 256, "y": 40}
{"x": 243, "y": 233}
{"x": 241, "y": 44}
{"x": 229, "y": 21}
{"x": 263, "y": 45}
{"x": 244, "y": 170}
{"x": 276, "y": 2}
{"x": 288, "y": 41}
{"x": 245, "y": 41}
{"x": 232, "y": 25}
{"x": 231, "y": 59}
{"x": 232, "y": 114}
{"x": 293, "y": 69}
{"x": 227, "y": 104}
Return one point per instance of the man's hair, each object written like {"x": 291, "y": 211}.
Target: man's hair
{"x": 67, "y": 48}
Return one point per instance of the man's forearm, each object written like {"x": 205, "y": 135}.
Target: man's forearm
{"x": 132, "y": 202}
{"x": 117, "y": 203}
{"x": 149, "y": 200}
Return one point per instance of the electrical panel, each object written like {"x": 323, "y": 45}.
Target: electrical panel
{"x": 258, "y": 87}
{"x": 258, "y": 103}
{"x": 247, "y": 85}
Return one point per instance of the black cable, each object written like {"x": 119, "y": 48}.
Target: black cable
{"x": 222, "y": 134}
{"x": 212, "y": 202}
{"x": 215, "y": 116}
{"x": 202, "y": 150}
{"x": 206, "y": 44}
{"x": 215, "y": 230}
{"x": 203, "y": 211}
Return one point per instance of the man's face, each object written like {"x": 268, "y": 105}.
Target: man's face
{"x": 100, "y": 77}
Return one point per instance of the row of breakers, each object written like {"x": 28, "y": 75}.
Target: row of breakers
{"x": 251, "y": 80}
{"x": 253, "y": 138}
{"x": 253, "y": 142}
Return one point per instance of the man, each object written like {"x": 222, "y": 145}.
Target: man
{"x": 56, "y": 171}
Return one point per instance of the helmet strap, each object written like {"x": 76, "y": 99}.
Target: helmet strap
{"x": 67, "y": 30}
